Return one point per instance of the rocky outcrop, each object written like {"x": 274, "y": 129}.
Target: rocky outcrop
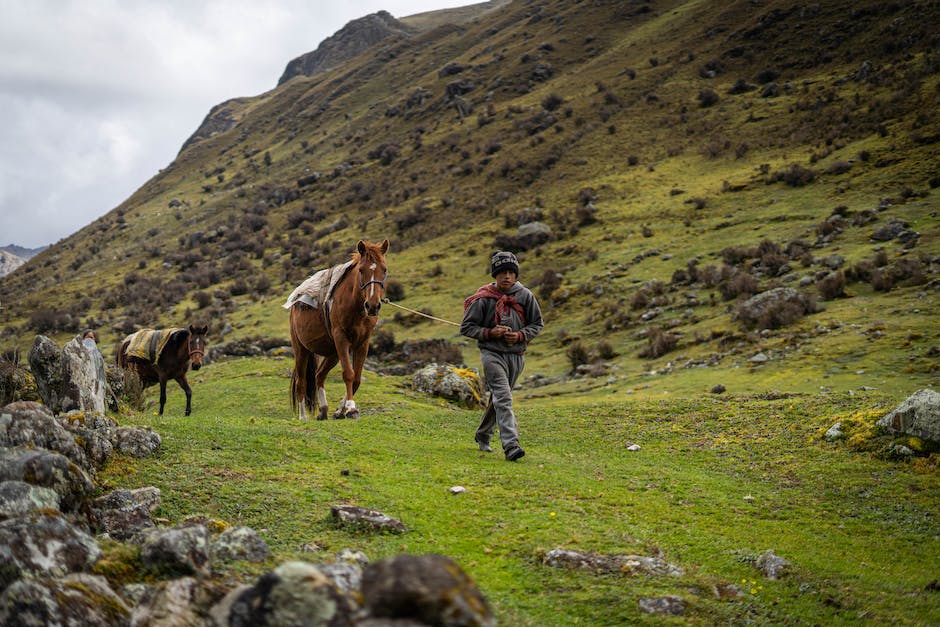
{"x": 350, "y": 41}
{"x": 71, "y": 378}
{"x": 917, "y": 416}
{"x": 455, "y": 384}
{"x": 9, "y": 262}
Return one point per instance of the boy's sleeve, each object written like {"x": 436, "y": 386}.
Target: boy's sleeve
{"x": 533, "y": 316}
{"x": 470, "y": 325}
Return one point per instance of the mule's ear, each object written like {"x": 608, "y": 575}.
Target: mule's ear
{"x": 192, "y": 329}
{"x": 205, "y": 329}
{"x": 361, "y": 247}
{"x": 385, "y": 247}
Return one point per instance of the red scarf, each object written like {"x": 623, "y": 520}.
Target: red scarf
{"x": 504, "y": 302}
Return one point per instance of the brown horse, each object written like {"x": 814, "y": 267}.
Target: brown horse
{"x": 337, "y": 331}
{"x": 152, "y": 365}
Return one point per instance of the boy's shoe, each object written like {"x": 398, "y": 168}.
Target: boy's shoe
{"x": 514, "y": 453}
{"x": 485, "y": 447}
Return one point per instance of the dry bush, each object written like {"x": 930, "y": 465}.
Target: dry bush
{"x": 658, "y": 343}
{"x": 794, "y": 176}
{"x": 739, "y": 285}
{"x": 577, "y": 354}
{"x": 394, "y": 290}
{"x": 832, "y": 285}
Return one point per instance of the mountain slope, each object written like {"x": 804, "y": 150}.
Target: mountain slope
{"x": 669, "y": 158}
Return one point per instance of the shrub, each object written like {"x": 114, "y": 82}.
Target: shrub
{"x": 658, "y": 343}
{"x": 796, "y": 176}
{"x": 552, "y": 102}
{"x": 832, "y": 285}
{"x": 741, "y": 284}
{"x": 394, "y": 290}
{"x": 707, "y": 98}
{"x": 577, "y": 354}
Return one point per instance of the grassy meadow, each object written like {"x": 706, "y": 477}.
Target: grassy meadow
{"x": 718, "y": 481}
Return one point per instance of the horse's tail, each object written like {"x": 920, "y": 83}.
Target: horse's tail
{"x": 122, "y": 354}
{"x": 293, "y": 395}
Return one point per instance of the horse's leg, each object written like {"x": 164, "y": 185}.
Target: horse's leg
{"x": 310, "y": 393}
{"x": 348, "y": 407}
{"x": 300, "y": 381}
{"x": 359, "y": 354}
{"x": 162, "y": 394}
{"x": 189, "y": 392}
{"x": 323, "y": 369}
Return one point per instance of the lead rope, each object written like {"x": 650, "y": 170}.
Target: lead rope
{"x": 419, "y": 313}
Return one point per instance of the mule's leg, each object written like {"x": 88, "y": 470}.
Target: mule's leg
{"x": 323, "y": 368}
{"x": 189, "y": 392}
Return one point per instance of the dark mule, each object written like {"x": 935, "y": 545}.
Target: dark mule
{"x": 337, "y": 332}
{"x": 183, "y": 347}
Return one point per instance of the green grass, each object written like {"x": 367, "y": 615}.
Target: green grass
{"x": 718, "y": 481}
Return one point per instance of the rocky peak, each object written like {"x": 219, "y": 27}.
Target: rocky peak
{"x": 353, "y": 39}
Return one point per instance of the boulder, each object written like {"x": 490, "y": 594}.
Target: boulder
{"x": 76, "y": 599}
{"x": 16, "y": 384}
{"x": 46, "y": 469}
{"x": 137, "y": 441}
{"x": 43, "y": 545}
{"x": 774, "y": 308}
{"x": 18, "y": 498}
{"x": 668, "y": 605}
{"x": 429, "y": 589}
{"x": 294, "y": 593}
{"x": 239, "y": 543}
{"x": 31, "y": 424}
{"x": 177, "y": 602}
{"x": 918, "y": 416}
{"x": 72, "y": 378}
{"x": 625, "y": 564}
{"x": 124, "y": 513}
{"x": 460, "y": 385}
{"x": 180, "y": 550}
{"x": 94, "y": 432}
{"x": 772, "y": 565}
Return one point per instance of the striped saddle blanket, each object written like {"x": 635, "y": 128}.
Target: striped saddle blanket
{"x": 148, "y": 343}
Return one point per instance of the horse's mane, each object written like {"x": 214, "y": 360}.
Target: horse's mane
{"x": 373, "y": 253}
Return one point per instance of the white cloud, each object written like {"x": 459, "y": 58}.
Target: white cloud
{"x": 98, "y": 95}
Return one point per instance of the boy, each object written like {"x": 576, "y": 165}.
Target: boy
{"x": 503, "y": 317}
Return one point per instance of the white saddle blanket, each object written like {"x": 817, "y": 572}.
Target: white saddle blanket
{"x": 318, "y": 287}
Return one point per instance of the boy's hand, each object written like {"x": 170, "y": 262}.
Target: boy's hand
{"x": 500, "y": 331}
{"x": 512, "y": 337}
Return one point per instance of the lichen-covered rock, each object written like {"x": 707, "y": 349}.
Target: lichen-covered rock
{"x": 626, "y": 564}
{"x": 431, "y": 589}
{"x": 362, "y": 517}
{"x": 45, "y": 362}
{"x": 182, "y": 602}
{"x": 668, "y": 605}
{"x": 136, "y": 441}
{"x": 46, "y": 469}
{"x": 43, "y": 545}
{"x": 772, "y": 565}
{"x": 295, "y": 593}
{"x": 69, "y": 378}
{"x": 94, "y": 432}
{"x": 456, "y": 384}
{"x": 180, "y": 550}
{"x": 18, "y": 498}
{"x": 774, "y": 308}
{"x": 123, "y": 513}
{"x": 240, "y": 543}
{"x": 918, "y": 416}
{"x": 26, "y": 423}
{"x": 75, "y": 600}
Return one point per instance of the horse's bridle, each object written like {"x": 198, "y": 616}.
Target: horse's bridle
{"x": 375, "y": 281}
{"x": 194, "y": 351}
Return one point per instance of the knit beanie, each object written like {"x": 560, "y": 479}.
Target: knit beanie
{"x": 503, "y": 260}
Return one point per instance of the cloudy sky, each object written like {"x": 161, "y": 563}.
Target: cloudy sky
{"x": 96, "y": 96}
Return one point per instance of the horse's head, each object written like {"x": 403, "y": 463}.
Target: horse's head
{"x": 197, "y": 345}
{"x": 372, "y": 271}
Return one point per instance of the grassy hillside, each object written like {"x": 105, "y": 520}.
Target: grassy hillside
{"x": 670, "y": 147}
{"x": 716, "y": 483}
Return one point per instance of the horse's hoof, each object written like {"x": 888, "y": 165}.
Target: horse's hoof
{"x": 353, "y": 414}
{"x": 338, "y": 416}
{"x": 321, "y": 416}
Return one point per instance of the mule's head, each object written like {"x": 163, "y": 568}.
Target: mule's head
{"x": 197, "y": 345}
{"x": 372, "y": 271}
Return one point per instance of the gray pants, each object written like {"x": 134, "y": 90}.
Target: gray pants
{"x": 500, "y": 370}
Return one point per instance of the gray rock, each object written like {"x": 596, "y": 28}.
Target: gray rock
{"x": 533, "y": 234}
{"x": 72, "y": 378}
{"x": 181, "y": 550}
{"x": 918, "y": 416}
{"x": 18, "y": 498}
{"x": 346, "y": 576}
{"x": 366, "y": 518}
{"x": 295, "y": 593}
{"x": 26, "y": 423}
{"x": 173, "y": 603}
{"x": 94, "y": 432}
{"x": 45, "y": 362}
{"x": 46, "y": 469}
{"x": 443, "y": 380}
{"x": 137, "y": 441}
{"x": 430, "y": 589}
{"x": 43, "y": 545}
{"x": 124, "y": 513}
{"x": 75, "y": 600}
{"x": 889, "y": 231}
{"x": 239, "y": 543}
{"x": 625, "y": 564}
{"x": 765, "y": 310}
{"x": 771, "y": 565}
{"x": 668, "y": 605}
{"x": 834, "y": 433}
